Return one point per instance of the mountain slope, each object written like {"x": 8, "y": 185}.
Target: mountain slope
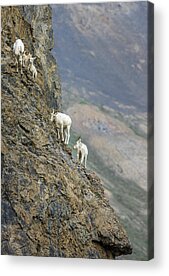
{"x": 101, "y": 50}
{"x": 105, "y": 46}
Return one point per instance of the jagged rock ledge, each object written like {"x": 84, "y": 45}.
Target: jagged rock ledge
{"x": 50, "y": 206}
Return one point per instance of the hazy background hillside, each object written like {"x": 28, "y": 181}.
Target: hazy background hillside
{"x": 101, "y": 52}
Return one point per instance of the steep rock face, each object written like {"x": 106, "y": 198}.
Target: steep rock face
{"x": 50, "y": 206}
{"x": 33, "y": 25}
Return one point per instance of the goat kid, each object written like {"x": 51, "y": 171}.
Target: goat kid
{"x": 32, "y": 67}
{"x": 18, "y": 49}
{"x": 82, "y": 152}
{"x": 63, "y": 124}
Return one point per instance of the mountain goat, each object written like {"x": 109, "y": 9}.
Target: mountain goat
{"x": 63, "y": 125}
{"x": 18, "y": 49}
{"x": 82, "y": 152}
{"x": 32, "y": 67}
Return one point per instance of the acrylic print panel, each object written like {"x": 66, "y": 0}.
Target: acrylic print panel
{"x": 77, "y": 130}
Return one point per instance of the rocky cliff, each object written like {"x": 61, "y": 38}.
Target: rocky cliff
{"x": 50, "y": 206}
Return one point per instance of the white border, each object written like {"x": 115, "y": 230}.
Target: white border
{"x": 32, "y": 2}
{"x": 27, "y": 266}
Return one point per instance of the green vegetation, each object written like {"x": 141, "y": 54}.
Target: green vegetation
{"x": 133, "y": 123}
{"x": 137, "y": 131}
{"x": 83, "y": 101}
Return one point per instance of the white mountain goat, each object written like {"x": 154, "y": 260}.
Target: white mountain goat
{"x": 82, "y": 152}
{"x": 63, "y": 125}
{"x": 18, "y": 49}
{"x": 32, "y": 67}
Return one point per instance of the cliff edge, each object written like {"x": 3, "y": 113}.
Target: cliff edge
{"x": 50, "y": 206}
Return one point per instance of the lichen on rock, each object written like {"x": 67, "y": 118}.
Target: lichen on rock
{"x": 50, "y": 206}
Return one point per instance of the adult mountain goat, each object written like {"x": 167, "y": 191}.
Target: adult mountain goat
{"x": 18, "y": 49}
{"x": 63, "y": 124}
{"x": 82, "y": 152}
